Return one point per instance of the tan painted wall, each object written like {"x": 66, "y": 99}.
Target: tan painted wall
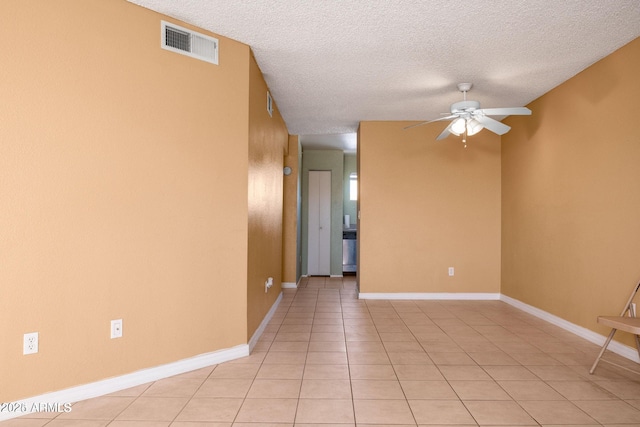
{"x": 290, "y": 216}
{"x": 426, "y": 206}
{"x": 123, "y": 183}
{"x": 571, "y": 194}
{"x": 268, "y": 140}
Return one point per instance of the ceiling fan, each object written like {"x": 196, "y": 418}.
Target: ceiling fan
{"x": 467, "y": 118}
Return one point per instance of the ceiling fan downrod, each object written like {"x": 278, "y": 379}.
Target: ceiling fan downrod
{"x": 464, "y": 88}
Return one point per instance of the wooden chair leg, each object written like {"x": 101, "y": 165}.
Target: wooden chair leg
{"x": 604, "y": 347}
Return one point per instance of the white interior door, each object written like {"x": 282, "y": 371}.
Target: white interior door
{"x": 319, "y": 232}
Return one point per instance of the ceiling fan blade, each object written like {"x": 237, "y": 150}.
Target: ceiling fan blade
{"x": 509, "y": 111}
{"x": 445, "y": 133}
{"x": 453, "y": 116}
{"x": 493, "y": 125}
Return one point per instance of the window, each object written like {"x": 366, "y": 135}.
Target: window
{"x": 353, "y": 186}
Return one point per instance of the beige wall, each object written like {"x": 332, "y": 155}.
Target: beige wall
{"x": 427, "y": 205}
{"x": 290, "y": 213}
{"x": 123, "y": 181}
{"x": 571, "y": 194}
{"x": 140, "y": 184}
{"x": 268, "y": 140}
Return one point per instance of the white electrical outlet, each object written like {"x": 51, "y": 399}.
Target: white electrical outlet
{"x": 30, "y": 343}
{"x": 451, "y": 271}
{"x": 116, "y": 328}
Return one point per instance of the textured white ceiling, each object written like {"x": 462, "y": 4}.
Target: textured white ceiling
{"x": 347, "y": 142}
{"x": 333, "y": 63}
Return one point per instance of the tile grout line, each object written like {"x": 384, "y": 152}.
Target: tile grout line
{"x": 304, "y": 367}
{"x": 260, "y": 365}
{"x": 346, "y": 350}
{"x": 393, "y": 366}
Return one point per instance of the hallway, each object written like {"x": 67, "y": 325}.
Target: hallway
{"x": 328, "y": 358}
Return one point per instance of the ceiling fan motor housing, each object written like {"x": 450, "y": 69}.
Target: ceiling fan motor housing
{"x": 464, "y": 106}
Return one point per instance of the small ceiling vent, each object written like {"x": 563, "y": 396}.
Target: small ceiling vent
{"x": 269, "y": 104}
{"x": 182, "y": 40}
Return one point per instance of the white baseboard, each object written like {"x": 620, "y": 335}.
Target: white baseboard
{"x": 111, "y": 385}
{"x": 430, "y": 296}
{"x": 591, "y": 336}
{"x": 594, "y": 337}
{"x": 289, "y": 285}
{"x": 331, "y": 275}
{"x": 143, "y": 376}
{"x": 258, "y": 333}
{"x": 122, "y": 382}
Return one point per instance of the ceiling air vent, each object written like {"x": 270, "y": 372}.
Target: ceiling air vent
{"x": 181, "y": 40}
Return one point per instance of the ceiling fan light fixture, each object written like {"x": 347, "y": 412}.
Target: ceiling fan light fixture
{"x": 473, "y": 127}
{"x": 458, "y": 126}
{"x": 467, "y": 118}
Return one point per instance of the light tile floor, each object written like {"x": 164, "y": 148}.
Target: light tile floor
{"x": 328, "y": 358}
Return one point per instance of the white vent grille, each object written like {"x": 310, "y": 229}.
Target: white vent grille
{"x": 269, "y": 104}
{"x": 181, "y": 40}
